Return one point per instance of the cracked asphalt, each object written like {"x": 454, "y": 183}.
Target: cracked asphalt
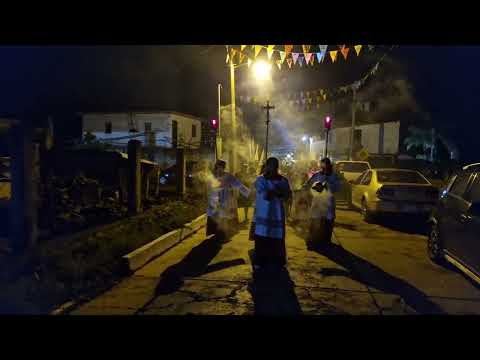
{"x": 373, "y": 269}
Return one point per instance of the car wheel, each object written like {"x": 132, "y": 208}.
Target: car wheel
{"x": 366, "y": 214}
{"x": 435, "y": 251}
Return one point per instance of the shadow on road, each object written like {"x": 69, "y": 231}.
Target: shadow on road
{"x": 372, "y": 276}
{"x": 192, "y": 265}
{"x": 273, "y": 293}
{"x": 405, "y": 224}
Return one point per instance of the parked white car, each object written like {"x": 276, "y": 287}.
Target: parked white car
{"x": 351, "y": 170}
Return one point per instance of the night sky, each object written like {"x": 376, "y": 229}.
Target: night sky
{"x": 183, "y": 78}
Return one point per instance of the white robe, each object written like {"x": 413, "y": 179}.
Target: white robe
{"x": 222, "y": 200}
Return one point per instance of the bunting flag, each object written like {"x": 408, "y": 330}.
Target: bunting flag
{"x": 345, "y": 51}
{"x": 333, "y": 55}
{"x": 242, "y": 57}
{"x": 288, "y": 49}
{"x": 258, "y": 48}
{"x": 323, "y": 49}
{"x": 279, "y": 64}
{"x": 304, "y": 57}
{"x": 306, "y": 49}
{"x": 308, "y": 57}
{"x": 233, "y": 52}
{"x": 270, "y": 51}
{"x": 295, "y": 57}
{"x": 357, "y": 49}
{"x": 320, "y": 56}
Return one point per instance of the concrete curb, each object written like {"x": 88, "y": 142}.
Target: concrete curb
{"x": 139, "y": 257}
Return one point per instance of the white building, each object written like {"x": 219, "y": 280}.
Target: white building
{"x": 375, "y": 138}
{"x": 160, "y": 132}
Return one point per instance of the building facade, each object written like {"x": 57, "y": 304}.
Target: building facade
{"x": 159, "y": 132}
{"x": 382, "y": 138}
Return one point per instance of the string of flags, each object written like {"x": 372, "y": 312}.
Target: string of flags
{"x": 313, "y": 99}
{"x": 281, "y": 54}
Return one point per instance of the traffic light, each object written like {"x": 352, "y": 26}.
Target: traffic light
{"x": 214, "y": 124}
{"x": 328, "y": 123}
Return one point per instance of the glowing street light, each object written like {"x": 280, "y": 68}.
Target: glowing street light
{"x": 262, "y": 70}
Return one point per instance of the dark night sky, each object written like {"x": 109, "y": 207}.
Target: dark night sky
{"x": 184, "y": 78}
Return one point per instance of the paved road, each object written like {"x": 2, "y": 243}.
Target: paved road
{"x": 372, "y": 270}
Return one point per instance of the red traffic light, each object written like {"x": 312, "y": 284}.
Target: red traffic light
{"x": 328, "y": 122}
{"x": 214, "y": 123}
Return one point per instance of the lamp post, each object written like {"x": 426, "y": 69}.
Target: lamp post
{"x": 218, "y": 134}
{"x": 234, "y": 116}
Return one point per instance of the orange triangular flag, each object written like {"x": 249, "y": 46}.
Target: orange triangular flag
{"x": 333, "y": 55}
{"x": 306, "y": 49}
{"x": 345, "y": 51}
{"x": 357, "y": 49}
{"x": 289, "y": 62}
{"x": 270, "y": 51}
{"x": 258, "y": 48}
{"x": 288, "y": 49}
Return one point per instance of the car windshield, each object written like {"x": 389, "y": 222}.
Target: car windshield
{"x": 410, "y": 177}
{"x": 352, "y": 167}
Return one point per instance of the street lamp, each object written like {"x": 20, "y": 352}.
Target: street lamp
{"x": 262, "y": 70}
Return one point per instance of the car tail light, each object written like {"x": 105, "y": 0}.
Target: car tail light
{"x": 384, "y": 192}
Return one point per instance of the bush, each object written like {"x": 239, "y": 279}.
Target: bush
{"x": 82, "y": 266}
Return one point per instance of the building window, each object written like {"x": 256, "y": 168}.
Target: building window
{"x": 108, "y": 127}
{"x": 148, "y": 127}
{"x": 194, "y": 130}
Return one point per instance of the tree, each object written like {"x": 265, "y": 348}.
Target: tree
{"x": 425, "y": 143}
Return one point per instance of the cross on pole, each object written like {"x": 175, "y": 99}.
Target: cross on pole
{"x": 268, "y": 107}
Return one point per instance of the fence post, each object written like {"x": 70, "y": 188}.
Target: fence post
{"x": 23, "y": 231}
{"x": 181, "y": 171}
{"x": 134, "y": 177}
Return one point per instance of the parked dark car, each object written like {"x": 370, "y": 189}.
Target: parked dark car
{"x": 455, "y": 223}
{"x": 168, "y": 177}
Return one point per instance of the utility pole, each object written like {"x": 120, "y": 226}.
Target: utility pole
{"x": 352, "y": 132}
{"x": 234, "y": 117}
{"x": 268, "y": 108}
{"x": 218, "y": 134}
